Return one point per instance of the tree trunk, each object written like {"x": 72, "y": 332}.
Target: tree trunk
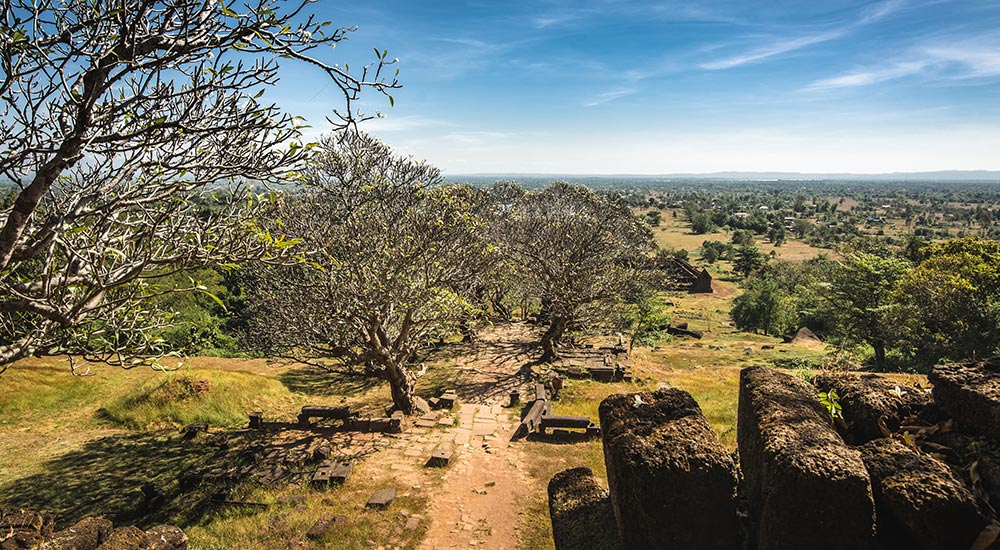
{"x": 879, "y": 346}
{"x": 401, "y": 384}
{"x": 550, "y": 339}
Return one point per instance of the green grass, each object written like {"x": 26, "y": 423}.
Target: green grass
{"x": 203, "y": 397}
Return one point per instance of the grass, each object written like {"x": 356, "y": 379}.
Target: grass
{"x": 78, "y": 446}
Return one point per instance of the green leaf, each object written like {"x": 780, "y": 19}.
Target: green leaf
{"x": 227, "y": 11}
{"x": 392, "y": 103}
{"x": 214, "y": 297}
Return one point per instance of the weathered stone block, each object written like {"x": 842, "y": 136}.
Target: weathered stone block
{"x": 868, "y": 398}
{"x": 126, "y": 538}
{"x": 381, "y": 498}
{"x": 920, "y": 503}
{"x": 970, "y": 393}
{"x": 672, "y": 482}
{"x": 167, "y": 537}
{"x": 86, "y": 534}
{"x": 582, "y": 518}
{"x": 805, "y": 487}
{"x": 440, "y": 459}
{"x": 323, "y": 526}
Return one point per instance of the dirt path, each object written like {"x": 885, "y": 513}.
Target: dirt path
{"x": 477, "y": 506}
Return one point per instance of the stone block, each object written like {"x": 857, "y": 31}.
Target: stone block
{"x": 86, "y": 534}
{"x": 167, "y": 537}
{"x": 671, "y": 481}
{"x": 867, "y": 399}
{"x": 381, "y": 499}
{"x": 323, "y": 525}
{"x": 582, "y": 518}
{"x": 126, "y": 538}
{"x": 805, "y": 487}
{"x": 918, "y": 500}
{"x": 440, "y": 459}
{"x": 970, "y": 393}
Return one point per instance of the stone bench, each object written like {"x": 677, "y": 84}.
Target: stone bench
{"x": 318, "y": 411}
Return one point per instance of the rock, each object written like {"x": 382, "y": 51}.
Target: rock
{"x": 970, "y": 393}
{"x": 805, "y": 336}
{"x": 26, "y": 520}
{"x": 167, "y": 537}
{"x": 805, "y": 487}
{"x": 86, "y": 534}
{"x": 868, "y": 398}
{"x": 323, "y": 526}
{"x": 919, "y": 502}
{"x": 381, "y": 498}
{"x": 420, "y": 405}
{"x": 21, "y": 540}
{"x": 582, "y": 518}
{"x": 962, "y": 450}
{"x": 322, "y": 452}
{"x": 126, "y": 538}
{"x": 669, "y": 477}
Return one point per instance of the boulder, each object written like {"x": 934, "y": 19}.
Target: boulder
{"x": 805, "y": 487}
{"x": 670, "y": 479}
{"x": 167, "y": 537}
{"x": 919, "y": 502}
{"x": 582, "y": 518}
{"x": 420, "y": 405}
{"x": 126, "y": 538}
{"x": 970, "y": 393}
{"x": 868, "y": 398}
{"x": 86, "y": 534}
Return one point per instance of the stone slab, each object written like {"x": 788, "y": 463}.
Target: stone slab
{"x": 381, "y": 498}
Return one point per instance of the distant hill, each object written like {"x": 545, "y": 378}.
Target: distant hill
{"x": 940, "y": 176}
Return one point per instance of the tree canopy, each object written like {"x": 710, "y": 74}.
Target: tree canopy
{"x": 116, "y": 116}
{"x": 576, "y": 252}
{"x": 390, "y": 256}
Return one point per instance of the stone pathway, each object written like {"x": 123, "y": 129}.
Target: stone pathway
{"x": 475, "y": 499}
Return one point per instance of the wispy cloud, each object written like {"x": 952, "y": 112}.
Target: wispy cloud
{"x": 404, "y": 124}
{"x": 610, "y": 96}
{"x": 869, "y": 76}
{"x": 771, "y": 50}
{"x": 783, "y": 46}
{"x": 958, "y": 59}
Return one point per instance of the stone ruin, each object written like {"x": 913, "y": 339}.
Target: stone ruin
{"x": 904, "y": 468}
{"x": 28, "y": 529}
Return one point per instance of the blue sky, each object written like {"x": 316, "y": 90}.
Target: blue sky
{"x": 612, "y": 86}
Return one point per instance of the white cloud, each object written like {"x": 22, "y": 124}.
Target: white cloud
{"x": 772, "y": 50}
{"x": 402, "y": 124}
{"x": 869, "y": 76}
{"x": 610, "y": 96}
{"x": 783, "y": 46}
{"x": 957, "y": 59}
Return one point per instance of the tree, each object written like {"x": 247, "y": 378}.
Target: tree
{"x": 860, "y": 288}
{"x": 762, "y": 306}
{"x": 950, "y": 302}
{"x": 391, "y": 252}
{"x": 576, "y": 252}
{"x": 116, "y": 116}
{"x": 748, "y": 260}
{"x": 743, "y": 237}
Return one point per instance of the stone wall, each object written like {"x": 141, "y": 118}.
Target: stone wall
{"x": 904, "y": 467}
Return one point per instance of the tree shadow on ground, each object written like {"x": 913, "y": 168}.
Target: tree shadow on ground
{"x": 321, "y": 383}
{"x": 105, "y": 477}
